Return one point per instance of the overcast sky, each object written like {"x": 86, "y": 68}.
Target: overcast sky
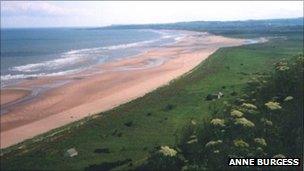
{"x": 94, "y": 13}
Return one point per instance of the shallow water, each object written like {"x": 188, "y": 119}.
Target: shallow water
{"x": 31, "y": 53}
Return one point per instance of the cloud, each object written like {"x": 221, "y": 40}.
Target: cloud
{"x": 100, "y": 13}
{"x": 24, "y": 8}
{"x": 30, "y": 8}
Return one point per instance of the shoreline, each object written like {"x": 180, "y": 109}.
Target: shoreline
{"x": 99, "y": 92}
{"x": 12, "y": 95}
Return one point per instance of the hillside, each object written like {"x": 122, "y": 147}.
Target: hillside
{"x": 125, "y": 137}
{"x": 243, "y": 29}
{"x": 265, "y": 120}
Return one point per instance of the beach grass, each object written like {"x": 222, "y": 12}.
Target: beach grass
{"x": 131, "y": 130}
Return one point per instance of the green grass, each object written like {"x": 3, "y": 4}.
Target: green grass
{"x": 154, "y": 123}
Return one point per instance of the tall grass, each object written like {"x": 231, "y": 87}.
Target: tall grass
{"x": 265, "y": 120}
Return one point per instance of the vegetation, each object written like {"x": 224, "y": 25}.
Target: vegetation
{"x": 243, "y": 29}
{"x": 265, "y": 121}
{"x": 130, "y": 136}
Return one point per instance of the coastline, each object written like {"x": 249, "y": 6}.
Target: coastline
{"x": 121, "y": 81}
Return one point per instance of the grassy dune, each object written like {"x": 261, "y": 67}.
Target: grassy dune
{"x": 132, "y": 130}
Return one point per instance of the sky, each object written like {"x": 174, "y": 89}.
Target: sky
{"x": 103, "y": 13}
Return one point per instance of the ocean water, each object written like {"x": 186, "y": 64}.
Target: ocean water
{"x": 28, "y": 53}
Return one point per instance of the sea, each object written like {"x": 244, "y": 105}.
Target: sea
{"x": 40, "y": 52}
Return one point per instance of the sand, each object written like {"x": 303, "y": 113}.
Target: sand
{"x": 91, "y": 92}
{"x": 11, "y": 95}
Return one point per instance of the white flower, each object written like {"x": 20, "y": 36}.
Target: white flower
{"x": 240, "y": 143}
{"x": 282, "y": 68}
{"x": 279, "y": 156}
{"x": 273, "y": 105}
{"x": 216, "y": 151}
{"x": 192, "y": 141}
{"x": 266, "y": 122}
{"x": 193, "y": 136}
{"x": 244, "y": 122}
{"x": 259, "y": 149}
{"x": 193, "y": 122}
{"x": 260, "y": 141}
{"x": 288, "y": 98}
{"x": 236, "y": 113}
{"x": 249, "y": 106}
{"x": 167, "y": 151}
{"x": 213, "y": 143}
{"x": 218, "y": 122}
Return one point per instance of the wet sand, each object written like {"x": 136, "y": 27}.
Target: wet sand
{"x": 66, "y": 99}
{"x": 11, "y": 95}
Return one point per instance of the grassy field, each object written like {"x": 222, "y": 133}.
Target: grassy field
{"x": 122, "y": 138}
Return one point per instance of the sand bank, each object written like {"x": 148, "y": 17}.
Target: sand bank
{"x": 118, "y": 82}
{"x": 11, "y": 95}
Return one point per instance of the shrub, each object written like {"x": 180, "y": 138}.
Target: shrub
{"x": 236, "y": 113}
{"x": 273, "y": 105}
{"x": 249, "y": 106}
{"x": 218, "y": 122}
{"x": 239, "y": 143}
{"x": 227, "y": 135}
{"x": 244, "y": 122}
{"x": 260, "y": 141}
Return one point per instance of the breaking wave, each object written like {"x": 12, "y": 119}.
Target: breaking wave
{"x": 24, "y": 76}
{"x": 76, "y": 58}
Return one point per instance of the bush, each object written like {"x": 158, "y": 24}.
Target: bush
{"x": 267, "y": 121}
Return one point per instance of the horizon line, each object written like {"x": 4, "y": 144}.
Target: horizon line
{"x": 111, "y": 25}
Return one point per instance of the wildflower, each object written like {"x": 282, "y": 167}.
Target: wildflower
{"x": 21, "y": 147}
{"x": 71, "y": 152}
{"x": 240, "y": 100}
{"x": 236, "y": 113}
{"x": 260, "y": 141}
{"x": 281, "y": 64}
{"x": 300, "y": 59}
{"x": 266, "y": 122}
{"x": 193, "y": 122}
{"x": 192, "y": 136}
{"x": 192, "y": 141}
{"x": 249, "y": 106}
{"x": 240, "y": 143}
{"x": 218, "y": 122}
{"x": 213, "y": 143}
{"x": 278, "y": 156}
{"x": 282, "y": 68}
{"x": 260, "y": 149}
{"x": 288, "y": 98}
{"x": 167, "y": 151}
{"x": 244, "y": 122}
{"x": 216, "y": 151}
{"x": 273, "y": 105}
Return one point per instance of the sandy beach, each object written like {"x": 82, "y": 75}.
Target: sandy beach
{"x": 64, "y": 99}
{"x": 11, "y": 95}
